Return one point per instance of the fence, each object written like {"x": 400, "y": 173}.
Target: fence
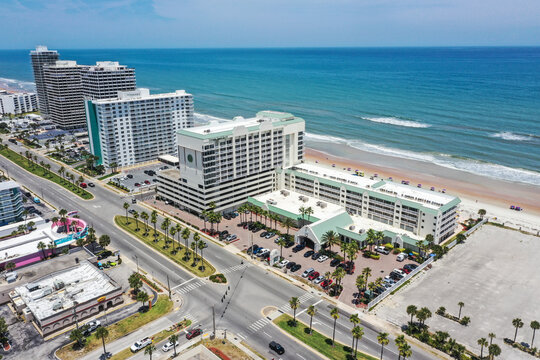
{"x": 381, "y": 297}
{"x": 468, "y": 232}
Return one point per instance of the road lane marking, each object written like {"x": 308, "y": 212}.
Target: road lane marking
{"x": 185, "y": 282}
{"x": 317, "y": 303}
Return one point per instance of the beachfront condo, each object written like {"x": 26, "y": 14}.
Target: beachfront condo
{"x": 225, "y": 163}
{"x": 105, "y": 79}
{"x": 40, "y": 57}
{"x": 137, "y": 127}
{"x": 17, "y": 102}
{"x": 11, "y": 202}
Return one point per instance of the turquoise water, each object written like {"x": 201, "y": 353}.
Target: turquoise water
{"x": 474, "y": 109}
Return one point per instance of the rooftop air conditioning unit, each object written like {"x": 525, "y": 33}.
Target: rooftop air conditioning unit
{"x": 57, "y": 305}
{"x": 352, "y": 227}
{"x": 323, "y": 205}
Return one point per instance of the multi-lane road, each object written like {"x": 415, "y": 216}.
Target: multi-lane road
{"x": 252, "y": 288}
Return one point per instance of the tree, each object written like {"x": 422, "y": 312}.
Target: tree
{"x": 382, "y": 339}
{"x": 360, "y": 283}
{"x": 136, "y": 217}
{"x": 144, "y": 216}
{"x": 194, "y": 244}
{"x": 309, "y": 211}
{"x": 405, "y": 351}
{"x": 149, "y": 350}
{"x": 135, "y": 281}
{"x": 311, "y": 311}
{"x": 102, "y": 333}
{"x": 41, "y": 246}
{"x": 288, "y": 223}
{"x": 366, "y": 272}
{"x": 185, "y": 236}
{"x": 294, "y": 303}
{"x": 165, "y": 227}
{"x": 10, "y": 266}
{"x": 494, "y": 350}
{"x": 126, "y": 207}
{"x": 77, "y": 335}
{"x": 482, "y": 342}
{"x": 142, "y": 297}
{"x": 423, "y": 314}
{"x": 334, "y": 313}
{"x": 517, "y": 324}
{"x": 104, "y": 240}
{"x": 370, "y": 238}
{"x": 535, "y": 325}
{"x": 281, "y": 242}
{"x": 201, "y": 245}
{"x": 460, "y": 238}
{"x": 173, "y": 339}
{"x": 482, "y": 213}
{"x": 357, "y": 333}
{"x": 461, "y": 304}
{"x": 330, "y": 238}
{"x": 153, "y": 220}
{"x": 412, "y": 310}
{"x": 338, "y": 275}
{"x": 173, "y": 232}
{"x": 491, "y": 336}
{"x": 355, "y": 320}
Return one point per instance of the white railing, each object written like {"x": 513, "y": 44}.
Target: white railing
{"x": 468, "y": 232}
{"x": 381, "y": 297}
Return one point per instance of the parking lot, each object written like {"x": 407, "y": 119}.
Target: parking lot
{"x": 137, "y": 180}
{"x": 495, "y": 273}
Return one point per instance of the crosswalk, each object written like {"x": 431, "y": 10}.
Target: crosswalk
{"x": 236, "y": 268}
{"x": 184, "y": 289}
{"x": 258, "y": 325}
{"x": 191, "y": 317}
{"x": 302, "y": 299}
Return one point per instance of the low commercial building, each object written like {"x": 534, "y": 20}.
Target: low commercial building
{"x": 17, "y": 102}
{"x": 63, "y": 298}
{"x": 11, "y": 203}
{"x": 137, "y": 127}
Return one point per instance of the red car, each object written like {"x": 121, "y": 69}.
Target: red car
{"x": 326, "y": 283}
{"x": 406, "y": 271}
{"x": 192, "y": 333}
{"x": 147, "y": 182}
{"x": 313, "y": 275}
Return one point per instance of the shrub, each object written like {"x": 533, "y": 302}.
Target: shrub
{"x": 441, "y": 311}
{"x": 388, "y": 246}
{"x": 218, "y": 278}
{"x": 375, "y": 256}
{"x": 465, "y": 320}
{"x": 396, "y": 251}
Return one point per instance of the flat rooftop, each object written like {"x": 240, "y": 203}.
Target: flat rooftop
{"x": 139, "y": 94}
{"x": 366, "y": 224}
{"x": 81, "y": 283}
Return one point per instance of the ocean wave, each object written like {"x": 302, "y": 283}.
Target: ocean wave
{"x": 495, "y": 171}
{"x": 396, "y": 121}
{"x": 19, "y": 85}
{"x": 510, "y": 136}
{"x": 204, "y": 118}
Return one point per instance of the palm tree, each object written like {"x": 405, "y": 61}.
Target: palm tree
{"x": 173, "y": 339}
{"x": 517, "y": 324}
{"x": 201, "y": 245}
{"x": 102, "y": 333}
{"x": 482, "y": 342}
{"x": 288, "y": 223}
{"x": 491, "y": 336}
{"x": 334, "y": 313}
{"x": 482, "y": 213}
{"x": 76, "y": 335}
{"x": 10, "y": 266}
{"x": 294, "y": 303}
{"x": 173, "y": 232}
{"x": 185, "y": 236}
{"x": 308, "y": 211}
{"x": 382, "y": 339}
{"x": 360, "y": 282}
{"x": 194, "y": 244}
{"x": 104, "y": 240}
{"x": 423, "y": 314}
{"x": 149, "y": 350}
{"x": 461, "y": 304}
{"x": 153, "y": 220}
{"x": 370, "y": 238}
{"x": 355, "y": 321}
{"x": 311, "y": 311}
{"x": 460, "y": 238}
{"x": 142, "y": 297}
{"x": 535, "y": 325}
{"x": 63, "y": 214}
{"x": 400, "y": 341}
{"x": 281, "y": 242}
{"x": 338, "y": 275}
{"x": 357, "y": 333}
{"x": 41, "y": 246}
{"x": 330, "y": 238}
{"x": 366, "y": 272}
{"x": 412, "y": 310}
{"x": 430, "y": 240}
{"x": 302, "y": 211}
{"x": 494, "y": 350}
{"x": 165, "y": 227}
{"x": 405, "y": 351}
{"x": 144, "y": 216}
{"x": 126, "y": 207}
{"x": 136, "y": 216}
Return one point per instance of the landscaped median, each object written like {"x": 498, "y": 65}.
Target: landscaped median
{"x": 118, "y": 330}
{"x": 187, "y": 260}
{"x": 318, "y": 341}
{"x": 39, "y": 170}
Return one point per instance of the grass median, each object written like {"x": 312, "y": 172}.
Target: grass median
{"x": 179, "y": 257}
{"x": 318, "y": 341}
{"x": 119, "y": 329}
{"x": 39, "y": 170}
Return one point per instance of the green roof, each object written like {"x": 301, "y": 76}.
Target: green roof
{"x": 280, "y": 211}
{"x": 341, "y": 220}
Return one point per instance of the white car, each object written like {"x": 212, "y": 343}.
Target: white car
{"x": 322, "y": 258}
{"x": 168, "y": 346}
{"x": 141, "y": 344}
{"x": 382, "y": 250}
{"x": 318, "y": 280}
{"x": 263, "y": 252}
{"x": 308, "y": 272}
{"x": 400, "y": 272}
{"x": 401, "y": 257}
{"x": 283, "y": 263}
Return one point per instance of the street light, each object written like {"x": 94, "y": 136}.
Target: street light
{"x": 75, "y": 303}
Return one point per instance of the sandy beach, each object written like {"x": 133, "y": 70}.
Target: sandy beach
{"x": 476, "y": 192}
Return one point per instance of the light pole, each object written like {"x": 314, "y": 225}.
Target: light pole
{"x": 75, "y": 303}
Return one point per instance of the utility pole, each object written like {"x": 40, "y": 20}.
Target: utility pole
{"x": 169, "y": 286}
{"x": 214, "y": 320}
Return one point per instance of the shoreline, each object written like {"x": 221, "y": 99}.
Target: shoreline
{"x": 476, "y": 192}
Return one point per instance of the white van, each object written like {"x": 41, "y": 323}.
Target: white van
{"x": 401, "y": 257}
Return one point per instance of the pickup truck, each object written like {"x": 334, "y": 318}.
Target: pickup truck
{"x": 141, "y": 344}
{"x": 382, "y": 250}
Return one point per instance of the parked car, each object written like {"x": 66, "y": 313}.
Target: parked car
{"x": 296, "y": 267}
{"x": 192, "y": 333}
{"x": 83, "y": 185}
{"x": 326, "y": 283}
{"x": 307, "y": 272}
{"x": 315, "y": 256}
{"x": 263, "y": 251}
{"x": 401, "y": 257}
{"x": 309, "y": 253}
{"x": 313, "y": 275}
{"x": 90, "y": 327}
{"x": 382, "y": 250}
{"x": 334, "y": 262}
{"x": 231, "y": 237}
{"x": 269, "y": 235}
{"x": 322, "y": 258}
{"x": 406, "y": 271}
{"x": 252, "y": 248}
{"x": 132, "y": 211}
{"x": 147, "y": 182}
{"x": 283, "y": 263}
{"x": 129, "y": 176}
{"x": 276, "y": 347}
{"x": 168, "y": 346}
{"x": 141, "y": 344}
{"x": 318, "y": 280}
{"x": 400, "y": 272}
{"x": 290, "y": 264}
{"x": 263, "y": 234}
{"x": 410, "y": 267}
{"x": 298, "y": 247}
{"x": 289, "y": 244}
{"x": 137, "y": 184}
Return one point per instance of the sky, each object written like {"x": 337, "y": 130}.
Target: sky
{"x": 73, "y": 24}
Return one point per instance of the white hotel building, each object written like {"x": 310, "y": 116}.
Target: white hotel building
{"x": 227, "y": 162}
{"x": 136, "y": 127}
{"x": 17, "y": 102}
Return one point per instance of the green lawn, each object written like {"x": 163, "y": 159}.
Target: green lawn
{"x": 318, "y": 341}
{"x": 178, "y": 258}
{"x": 119, "y": 329}
{"x": 108, "y": 175}
{"x": 44, "y": 173}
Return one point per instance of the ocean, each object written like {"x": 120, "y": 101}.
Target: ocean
{"x": 467, "y": 108}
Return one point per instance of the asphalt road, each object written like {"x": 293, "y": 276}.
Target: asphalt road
{"x": 251, "y": 288}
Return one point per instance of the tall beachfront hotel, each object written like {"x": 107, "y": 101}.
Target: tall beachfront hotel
{"x": 136, "y": 127}
{"x": 225, "y": 163}
{"x": 40, "y": 57}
